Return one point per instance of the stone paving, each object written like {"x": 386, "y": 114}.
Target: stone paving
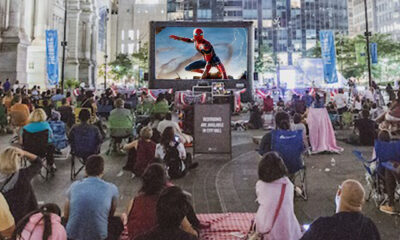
{"x": 221, "y": 184}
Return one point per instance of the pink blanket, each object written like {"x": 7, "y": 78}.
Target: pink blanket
{"x": 322, "y": 135}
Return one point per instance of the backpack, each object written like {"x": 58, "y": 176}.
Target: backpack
{"x": 175, "y": 165}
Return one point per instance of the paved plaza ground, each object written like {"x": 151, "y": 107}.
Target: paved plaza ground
{"x": 221, "y": 184}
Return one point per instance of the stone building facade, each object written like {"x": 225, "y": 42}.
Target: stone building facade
{"x": 23, "y": 39}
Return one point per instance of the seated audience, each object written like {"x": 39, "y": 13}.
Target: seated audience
{"x": 266, "y": 141}
{"x": 7, "y": 100}
{"x": 140, "y": 152}
{"x": 255, "y": 121}
{"x": 60, "y": 140}
{"x": 171, "y": 210}
{"x": 19, "y": 113}
{"x": 15, "y": 181}
{"x": 308, "y": 99}
{"x": 57, "y": 97}
{"x": 7, "y": 224}
{"x": 268, "y": 104}
{"x": 67, "y": 114}
{"x": 298, "y": 125}
{"x": 167, "y": 122}
{"x": 121, "y": 123}
{"x": 170, "y": 149}
{"x": 47, "y": 107}
{"x": 142, "y": 210}
{"x": 38, "y": 123}
{"x": 91, "y": 204}
{"x": 275, "y": 216}
{"x": 44, "y": 223}
{"x": 366, "y": 129}
{"x": 82, "y": 133}
{"x": 348, "y": 223}
{"x": 161, "y": 105}
{"x": 391, "y": 178}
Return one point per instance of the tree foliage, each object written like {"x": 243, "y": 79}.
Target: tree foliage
{"x": 388, "y": 56}
{"x": 264, "y": 62}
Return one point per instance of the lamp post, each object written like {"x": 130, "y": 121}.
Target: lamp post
{"x": 367, "y": 35}
{"x": 277, "y": 24}
{"x": 64, "y": 46}
{"x": 105, "y": 48}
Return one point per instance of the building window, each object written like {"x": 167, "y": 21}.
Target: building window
{"x": 123, "y": 48}
{"x": 131, "y": 35}
{"x": 137, "y": 34}
{"x": 122, "y": 35}
{"x": 131, "y": 47}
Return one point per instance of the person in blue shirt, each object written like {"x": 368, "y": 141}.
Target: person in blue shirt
{"x": 58, "y": 97}
{"x": 91, "y": 204}
{"x": 6, "y": 85}
{"x": 37, "y": 123}
{"x": 308, "y": 99}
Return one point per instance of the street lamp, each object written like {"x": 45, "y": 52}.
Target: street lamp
{"x": 367, "y": 35}
{"x": 105, "y": 48}
{"x": 64, "y": 46}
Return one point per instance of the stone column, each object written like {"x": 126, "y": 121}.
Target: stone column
{"x": 13, "y": 48}
{"x": 85, "y": 65}
{"x": 93, "y": 54}
{"x": 72, "y": 63}
{"x": 42, "y": 8}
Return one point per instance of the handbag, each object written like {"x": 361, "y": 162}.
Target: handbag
{"x": 253, "y": 234}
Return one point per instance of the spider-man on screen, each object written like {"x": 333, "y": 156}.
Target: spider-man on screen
{"x": 207, "y": 50}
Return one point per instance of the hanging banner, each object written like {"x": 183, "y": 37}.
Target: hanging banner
{"x": 52, "y": 56}
{"x": 373, "y": 47}
{"x": 328, "y": 53}
{"x": 361, "y": 53}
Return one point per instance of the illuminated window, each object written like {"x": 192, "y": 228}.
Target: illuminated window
{"x": 122, "y": 35}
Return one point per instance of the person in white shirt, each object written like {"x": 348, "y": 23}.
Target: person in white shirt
{"x": 167, "y": 122}
{"x": 340, "y": 101}
{"x": 16, "y": 86}
{"x": 357, "y": 105}
{"x": 168, "y": 139}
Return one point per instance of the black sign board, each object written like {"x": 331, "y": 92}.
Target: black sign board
{"x": 212, "y": 129}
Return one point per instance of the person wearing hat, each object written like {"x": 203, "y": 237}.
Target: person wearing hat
{"x": 348, "y": 223}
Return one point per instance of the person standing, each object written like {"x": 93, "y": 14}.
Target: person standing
{"x": 340, "y": 101}
{"x": 7, "y": 85}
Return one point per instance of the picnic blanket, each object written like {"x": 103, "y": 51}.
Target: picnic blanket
{"x": 226, "y": 226}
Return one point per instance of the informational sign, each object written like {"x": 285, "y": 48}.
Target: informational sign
{"x": 212, "y": 129}
{"x": 52, "y": 56}
{"x": 374, "y": 52}
{"x": 328, "y": 52}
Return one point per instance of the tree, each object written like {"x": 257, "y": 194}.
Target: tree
{"x": 122, "y": 67}
{"x": 388, "y": 52}
{"x": 264, "y": 62}
{"x": 141, "y": 59}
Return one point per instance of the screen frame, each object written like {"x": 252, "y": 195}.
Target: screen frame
{"x": 187, "y": 84}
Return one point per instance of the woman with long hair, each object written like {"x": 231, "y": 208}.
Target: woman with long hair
{"x": 275, "y": 218}
{"x": 142, "y": 209}
{"x": 42, "y": 224}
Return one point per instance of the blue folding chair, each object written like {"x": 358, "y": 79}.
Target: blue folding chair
{"x": 386, "y": 153}
{"x": 290, "y": 146}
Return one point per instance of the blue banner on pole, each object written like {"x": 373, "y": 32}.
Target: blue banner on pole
{"x": 52, "y": 56}
{"x": 374, "y": 52}
{"x": 328, "y": 53}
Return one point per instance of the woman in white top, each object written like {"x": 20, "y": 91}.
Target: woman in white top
{"x": 275, "y": 218}
{"x": 169, "y": 139}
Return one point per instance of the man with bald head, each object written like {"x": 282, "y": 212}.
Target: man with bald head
{"x": 348, "y": 223}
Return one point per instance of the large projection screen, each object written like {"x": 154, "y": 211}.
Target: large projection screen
{"x": 177, "y": 64}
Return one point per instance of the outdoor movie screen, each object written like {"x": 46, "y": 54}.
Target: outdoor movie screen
{"x": 201, "y": 53}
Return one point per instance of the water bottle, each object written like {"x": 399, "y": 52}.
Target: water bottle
{"x": 333, "y": 162}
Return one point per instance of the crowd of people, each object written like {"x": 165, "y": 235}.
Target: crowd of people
{"x": 161, "y": 210}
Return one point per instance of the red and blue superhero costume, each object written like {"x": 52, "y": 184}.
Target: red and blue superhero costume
{"x": 207, "y": 50}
